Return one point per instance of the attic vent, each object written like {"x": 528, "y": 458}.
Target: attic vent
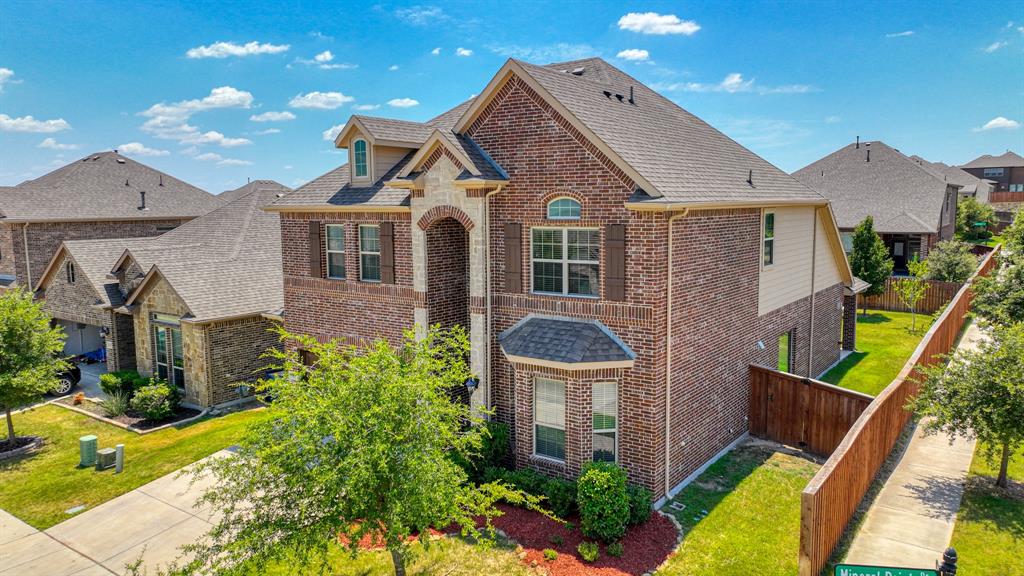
{"x": 620, "y": 97}
{"x": 607, "y": 94}
{"x": 120, "y": 160}
{"x": 279, "y": 194}
{"x": 578, "y": 71}
{"x": 142, "y": 200}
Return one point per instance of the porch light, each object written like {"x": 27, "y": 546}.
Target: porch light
{"x": 471, "y": 383}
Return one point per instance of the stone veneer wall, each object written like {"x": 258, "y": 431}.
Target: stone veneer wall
{"x": 7, "y": 256}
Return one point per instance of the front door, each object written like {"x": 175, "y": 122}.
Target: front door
{"x": 899, "y": 253}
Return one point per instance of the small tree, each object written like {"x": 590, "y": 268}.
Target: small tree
{"x": 870, "y": 259}
{"x": 362, "y": 443}
{"x": 29, "y": 349}
{"x": 973, "y": 219}
{"x": 911, "y": 289}
{"x": 951, "y": 261}
{"x": 980, "y": 393}
{"x": 1014, "y": 233}
{"x": 999, "y": 297}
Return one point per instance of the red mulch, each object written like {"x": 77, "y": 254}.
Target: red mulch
{"x": 376, "y": 542}
{"x": 646, "y": 545}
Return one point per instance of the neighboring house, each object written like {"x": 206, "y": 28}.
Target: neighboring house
{"x": 194, "y": 306}
{"x": 1005, "y": 170}
{"x": 913, "y": 205}
{"x": 104, "y": 195}
{"x": 617, "y": 262}
{"x": 249, "y": 187}
{"x": 970, "y": 185}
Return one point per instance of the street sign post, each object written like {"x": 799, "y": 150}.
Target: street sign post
{"x": 859, "y": 570}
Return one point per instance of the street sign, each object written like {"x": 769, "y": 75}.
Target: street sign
{"x": 858, "y": 570}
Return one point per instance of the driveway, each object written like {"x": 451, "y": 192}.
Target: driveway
{"x": 152, "y": 521}
{"x": 90, "y": 383}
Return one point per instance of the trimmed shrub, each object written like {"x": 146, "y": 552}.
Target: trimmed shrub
{"x": 494, "y": 453}
{"x": 110, "y": 383}
{"x": 615, "y": 549}
{"x": 639, "y": 504}
{"x": 115, "y": 404}
{"x": 561, "y": 495}
{"x": 153, "y": 401}
{"x": 127, "y": 381}
{"x": 588, "y": 551}
{"x": 602, "y": 500}
{"x": 550, "y": 555}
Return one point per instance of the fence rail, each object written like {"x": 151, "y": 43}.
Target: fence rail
{"x": 800, "y": 411}
{"x": 1006, "y": 196}
{"x": 831, "y": 498}
{"x": 936, "y": 295}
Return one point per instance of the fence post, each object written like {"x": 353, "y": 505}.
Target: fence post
{"x": 948, "y": 566}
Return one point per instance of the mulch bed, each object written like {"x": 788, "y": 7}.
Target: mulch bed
{"x": 646, "y": 545}
{"x": 132, "y": 419}
{"x": 22, "y": 445}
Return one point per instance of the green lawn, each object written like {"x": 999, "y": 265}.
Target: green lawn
{"x": 742, "y": 516}
{"x": 989, "y": 532}
{"x": 884, "y": 343}
{"x": 39, "y": 488}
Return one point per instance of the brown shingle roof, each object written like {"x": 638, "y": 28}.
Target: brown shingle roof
{"x": 93, "y": 259}
{"x": 232, "y": 195}
{"x": 1008, "y": 160}
{"x": 103, "y": 186}
{"x": 969, "y": 183}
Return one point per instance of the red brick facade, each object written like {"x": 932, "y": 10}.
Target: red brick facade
{"x": 447, "y": 274}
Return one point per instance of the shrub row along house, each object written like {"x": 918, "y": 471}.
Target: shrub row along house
{"x": 104, "y": 195}
{"x": 913, "y": 204}
{"x": 614, "y": 259}
{"x": 194, "y": 306}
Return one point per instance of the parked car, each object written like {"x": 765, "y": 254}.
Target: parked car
{"x": 67, "y": 380}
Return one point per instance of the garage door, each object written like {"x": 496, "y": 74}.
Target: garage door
{"x": 81, "y": 338}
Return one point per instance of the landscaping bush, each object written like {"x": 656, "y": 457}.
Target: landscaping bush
{"x": 951, "y": 261}
{"x": 561, "y": 497}
{"x": 588, "y": 551}
{"x": 615, "y": 549}
{"x": 494, "y": 452}
{"x": 602, "y": 500}
{"x": 550, "y": 555}
{"x": 127, "y": 381}
{"x": 110, "y": 383}
{"x": 115, "y": 404}
{"x": 155, "y": 401}
{"x": 639, "y": 504}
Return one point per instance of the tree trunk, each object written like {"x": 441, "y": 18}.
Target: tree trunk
{"x": 396, "y": 559}
{"x": 1004, "y": 466}
{"x": 11, "y": 440}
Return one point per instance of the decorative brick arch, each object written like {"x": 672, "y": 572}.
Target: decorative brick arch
{"x": 441, "y": 212}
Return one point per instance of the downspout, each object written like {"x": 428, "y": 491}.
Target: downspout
{"x": 24, "y": 244}
{"x": 668, "y": 357}
{"x": 487, "y": 292}
{"x": 814, "y": 255}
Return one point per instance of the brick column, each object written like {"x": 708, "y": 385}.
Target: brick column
{"x": 849, "y": 321}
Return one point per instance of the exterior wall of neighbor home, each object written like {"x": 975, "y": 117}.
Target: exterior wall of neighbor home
{"x": 236, "y": 350}
{"x": 121, "y": 342}
{"x": 1002, "y": 183}
{"x": 947, "y": 222}
{"x": 348, "y": 309}
{"x": 45, "y": 237}
{"x": 75, "y": 302}
{"x": 7, "y": 256}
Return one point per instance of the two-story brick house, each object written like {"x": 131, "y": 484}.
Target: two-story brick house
{"x": 103, "y": 195}
{"x": 1006, "y": 171}
{"x": 618, "y": 263}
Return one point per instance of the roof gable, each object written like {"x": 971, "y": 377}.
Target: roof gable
{"x": 1009, "y": 159}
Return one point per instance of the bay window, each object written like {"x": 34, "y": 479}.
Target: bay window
{"x": 549, "y": 418}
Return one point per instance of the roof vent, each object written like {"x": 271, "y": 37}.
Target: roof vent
{"x": 126, "y": 182}
{"x": 620, "y": 97}
{"x": 578, "y": 71}
{"x": 120, "y": 160}
{"x": 161, "y": 179}
{"x": 869, "y": 156}
{"x": 142, "y": 200}
{"x": 631, "y": 101}
{"x": 279, "y": 194}
{"x": 607, "y": 94}
{"x": 750, "y": 177}
{"x": 858, "y": 141}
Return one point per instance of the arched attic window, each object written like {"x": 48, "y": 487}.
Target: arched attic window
{"x": 360, "y": 159}
{"x": 563, "y": 209}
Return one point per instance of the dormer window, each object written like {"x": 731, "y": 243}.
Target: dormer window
{"x": 360, "y": 157}
{"x": 563, "y": 209}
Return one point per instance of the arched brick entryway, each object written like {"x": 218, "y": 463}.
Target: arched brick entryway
{"x": 447, "y": 246}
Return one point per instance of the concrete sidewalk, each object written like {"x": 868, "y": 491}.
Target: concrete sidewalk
{"x": 152, "y": 521}
{"x": 911, "y": 521}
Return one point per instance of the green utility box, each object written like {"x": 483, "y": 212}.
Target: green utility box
{"x": 87, "y": 450}
{"x": 105, "y": 458}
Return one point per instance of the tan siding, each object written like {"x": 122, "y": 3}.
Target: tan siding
{"x": 385, "y": 158}
{"x": 826, "y": 269}
{"x": 789, "y": 278}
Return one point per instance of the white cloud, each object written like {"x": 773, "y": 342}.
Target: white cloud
{"x": 268, "y": 131}
{"x": 999, "y": 123}
{"x": 7, "y": 77}
{"x": 324, "y": 56}
{"x": 900, "y": 34}
{"x": 436, "y": 51}
{"x": 272, "y": 116}
{"x": 547, "y": 53}
{"x": 460, "y": 51}
{"x": 170, "y": 121}
{"x": 403, "y": 102}
{"x": 320, "y": 100}
{"x": 763, "y": 133}
{"x": 332, "y": 132}
{"x": 325, "y": 61}
{"x": 634, "y": 54}
{"x": 833, "y": 119}
{"x": 733, "y": 83}
{"x": 421, "y": 15}
{"x": 226, "y": 49}
{"x": 660, "y": 24}
{"x": 209, "y": 157}
{"x": 52, "y": 144}
{"x": 995, "y": 46}
{"x": 364, "y": 107}
{"x": 393, "y": 67}
{"x": 234, "y": 162}
{"x": 220, "y": 160}
{"x": 289, "y": 167}
{"x": 140, "y": 149}
{"x": 30, "y": 124}
{"x": 318, "y": 35}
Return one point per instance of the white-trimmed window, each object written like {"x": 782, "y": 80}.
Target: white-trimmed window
{"x": 549, "y": 418}
{"x": 1016, "y": 187}
{"x": 566, "y": 261}
{"x": 768, "y": 239}
{"x": 69, "y": 271}
{"x": 989, "y": 172}
{"x": 605, "y": 403}
{"x": 847, "y": 239}
{"x": 360, "y": 159}
{"x": 169, "y": 354}
{"x": 563, "y": 209}
{"x": 335, "y": 239}
{"x": 369, "y": 253}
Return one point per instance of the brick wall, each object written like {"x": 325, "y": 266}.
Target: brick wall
{"x": 447, "y": 274}
{"x": 45, "y": 237}
{"x": 121, "y": 343}
{"x": 236, "y": 348}
{"x": 75, "y": 302}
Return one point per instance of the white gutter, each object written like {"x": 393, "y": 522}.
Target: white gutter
{"x": 814, "y": 255}
{"x": 28, "y": 265}
{"x": 668, "y": 358}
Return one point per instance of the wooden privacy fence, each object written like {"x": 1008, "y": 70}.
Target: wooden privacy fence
{"x": 935, "y": 296}
{"x": 801, "y": 411}
{"x": 1006, "y": 196}
{"x": 831, "y": 498}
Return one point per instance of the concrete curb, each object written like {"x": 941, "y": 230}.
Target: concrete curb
{"x": 128, "y": 427}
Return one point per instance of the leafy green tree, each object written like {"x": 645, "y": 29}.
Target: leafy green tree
{"x": 969, "y": 214}
{"x": 910, "y": 290}
{"x": 951, "y": 261}
{"x": 29, "y": 353}
{"x": 981, "y": 394}
{"x": 870, "y": 259}
{"x": 1013, "y": 234}
{"x": 363, "y": 443}
{"x": 999, "y": 297}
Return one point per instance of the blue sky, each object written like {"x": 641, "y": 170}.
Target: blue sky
{"x": 183, "y": 86}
